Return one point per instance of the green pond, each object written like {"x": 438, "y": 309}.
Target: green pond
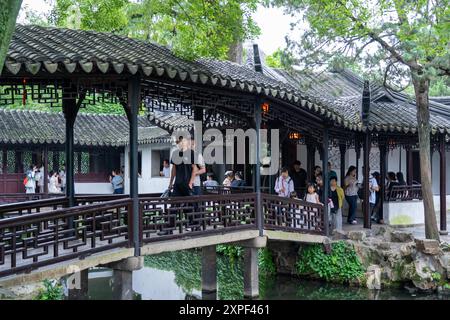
{"x": 176, "y": 276}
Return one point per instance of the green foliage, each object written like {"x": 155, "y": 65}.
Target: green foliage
{"x": 280, "y": 59}
{"x": 192, "y": 28}
{"x": 342, "y": 265}
{"x": 52, "y": 291}
{"x": 230, "y": 251}
{"x": 387, "y": 37}
{"x": 266, "y": 262}
{"x": 8, "y": 14}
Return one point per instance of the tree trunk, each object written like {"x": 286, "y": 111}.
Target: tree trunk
{"x": 421, "y": 87}
{"x": 8, "y": 15}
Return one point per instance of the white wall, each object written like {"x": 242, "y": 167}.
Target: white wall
{"x": 93, "y": 188}
{"x": 146, "y": 183}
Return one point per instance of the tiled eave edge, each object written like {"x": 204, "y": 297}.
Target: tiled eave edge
{"x": 288, "y": 95}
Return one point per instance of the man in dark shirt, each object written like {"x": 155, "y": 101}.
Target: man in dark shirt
{"x": 299, "y": 177}
{"x": 183, "y": 169}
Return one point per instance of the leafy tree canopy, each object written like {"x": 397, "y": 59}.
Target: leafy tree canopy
{"x": 192, "y": 28}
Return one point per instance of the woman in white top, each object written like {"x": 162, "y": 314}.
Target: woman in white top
{"x": 30, "y": 185}
{"x": 54, "y": 186}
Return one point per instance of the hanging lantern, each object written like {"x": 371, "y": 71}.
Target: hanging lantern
{"x": 265, "y": 108}
{"x": 295, "y": 135}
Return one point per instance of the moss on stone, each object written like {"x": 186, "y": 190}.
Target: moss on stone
{"x": 402, "y": 219}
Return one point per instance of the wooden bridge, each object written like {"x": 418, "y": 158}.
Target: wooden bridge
{"x": 42, "y": 238}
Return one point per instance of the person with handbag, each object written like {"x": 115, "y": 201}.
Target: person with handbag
{"x": 336, "y": 195}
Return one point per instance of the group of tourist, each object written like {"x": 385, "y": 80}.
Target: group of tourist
{"x": 35, "y": 177}
{"x": 293, "y": 183}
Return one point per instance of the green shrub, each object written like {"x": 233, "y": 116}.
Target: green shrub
{"x": 52, "y": 291}
{"x": 231, "y": 251}
{"x": 341, "y": 265}
{"x": 265, "y": 261}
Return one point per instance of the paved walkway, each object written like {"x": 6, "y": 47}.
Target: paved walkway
{"x": 418, "y": 232}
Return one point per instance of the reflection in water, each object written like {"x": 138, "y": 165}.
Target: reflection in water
{"x": 176, "y": 276}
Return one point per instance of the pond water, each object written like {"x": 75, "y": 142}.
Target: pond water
{"x": 176, "y": 276}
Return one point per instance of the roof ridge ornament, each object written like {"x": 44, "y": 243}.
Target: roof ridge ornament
{"x": 365, "y": 106}
{"x": 257, "y": 59}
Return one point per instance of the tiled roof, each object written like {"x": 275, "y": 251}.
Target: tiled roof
{"x": 38, "y": 127}
{"x": 337, "y": 96}
{"x": 342, "y": 91}
{"x": 48, "y": 50}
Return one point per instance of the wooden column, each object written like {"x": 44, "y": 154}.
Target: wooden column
{"x": 310, "y": 159}
{"x": 70, "y": 108}
{"x": 46, "y": 169}
{"x": 259, "y": 213}
{"x": 342, "y": 150}
{"x": 134, "y": 96}
{"x": 409, "y": 165}
{"x": 326, "y": 182}
{"x": 383, "y": 172}
{"x": 366, "y": 206}
{"x": 442, "y": 186}
{"x": 358, "y": 155}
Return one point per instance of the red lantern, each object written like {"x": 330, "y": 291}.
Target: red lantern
{"x": 265, "y": 108}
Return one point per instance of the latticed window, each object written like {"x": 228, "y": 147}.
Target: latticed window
{"x": 62, "y": 159}
{"x": 50, "y": 160}
{"x": 27, "y": 159}
{"x": 85, "y": 163}
{"x": 1, "y": 161}
{"x": 76, "y": 156}
{"x": 11, "y": 161}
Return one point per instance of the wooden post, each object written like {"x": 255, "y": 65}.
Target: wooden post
{"x": 259, "y": 213}
{"x": 383, "y": 172}
{"x": 409, "y": 165}
{"x": 70, "y": 108}
{"x": 366, "y": 205}
{"x": 134, "y": 96}
{"x": 326, "y": 181}
{"x": 443, "y": 187}
{"x": 310, "y": 160}
{"x": 342, "y": 150}
{"x": 46, "y": 169}
{"x": 358, "y": 155}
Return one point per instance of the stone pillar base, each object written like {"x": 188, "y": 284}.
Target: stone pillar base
{"x": 209, "y": 272}
{"x": 251, "y": 273}
{"x": 77, "y": 285}
{"x": 128, "y": 264}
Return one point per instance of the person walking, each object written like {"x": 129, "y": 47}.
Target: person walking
{"x": 336, "y": 195}
{"x": 351, "y": 193}
{"x": 54, "y": 186}
{"x": 62, "y": 177}
{"x": 299, "y": 177}
{"x": 30, "y": 179}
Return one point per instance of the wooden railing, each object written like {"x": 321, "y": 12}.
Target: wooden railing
{"x": 168, "y": 218}
{"x": 31, "y": 237}
{"x": 37, "y": 239}
{"x": 404, "y": 193}
{"x": 6, "y": 198}
{"x": 28, "y": 207}
{"x": 292, "y": 215}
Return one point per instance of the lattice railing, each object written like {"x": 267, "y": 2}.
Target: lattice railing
{"x": 35, "y": 240}
{"x": 404, "y": 193}
{"x": 177, "y": 217}
{"x": 292, "y": 215}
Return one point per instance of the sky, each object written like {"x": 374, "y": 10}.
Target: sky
{"x": 273, "y": 23}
